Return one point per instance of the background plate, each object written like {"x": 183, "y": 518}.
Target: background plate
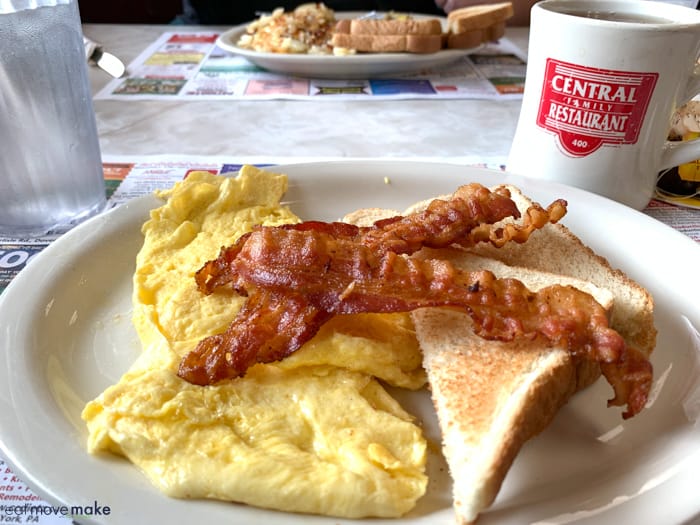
{"x": 66, "y": 335}
{"x": 359, "y": 66}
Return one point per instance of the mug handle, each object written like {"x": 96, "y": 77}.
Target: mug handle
{"x": 676, "y": 152}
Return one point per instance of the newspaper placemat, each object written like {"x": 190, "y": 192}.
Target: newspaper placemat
{"x": 183, "y": 65}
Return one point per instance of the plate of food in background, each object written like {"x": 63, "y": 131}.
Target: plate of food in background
{"x": 314, "y": 41}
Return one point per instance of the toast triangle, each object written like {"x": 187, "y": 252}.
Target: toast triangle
{"x": 491, "y": 397}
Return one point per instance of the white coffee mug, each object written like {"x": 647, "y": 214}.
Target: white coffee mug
{"x": 603, "y": 80}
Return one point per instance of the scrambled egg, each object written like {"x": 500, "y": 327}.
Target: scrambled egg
{"x": 306, "y": 29}
{"x": 314, "y": 433}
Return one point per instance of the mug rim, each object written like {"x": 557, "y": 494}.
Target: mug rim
{"x": 675, "y": 16}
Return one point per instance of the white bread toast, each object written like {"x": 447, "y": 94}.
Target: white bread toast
{"x": 389, "y": 43}
{"x": 474, "y": 37}
{"x": 465, "y": 28}
{"x": 389, "y": 35}
{"x": 491, "y": 397}
{"x": 393, "y": 26}
{"x": 478, "y": 17}
{"x": 470, "y": 26}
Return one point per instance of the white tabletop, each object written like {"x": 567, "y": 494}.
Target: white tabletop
{"x": 393, "y": 128}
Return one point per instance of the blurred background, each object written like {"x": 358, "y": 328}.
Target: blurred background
{"x": 130, "y": 11}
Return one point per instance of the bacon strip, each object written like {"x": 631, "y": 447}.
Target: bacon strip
{"x": 466, "y": 219}
{"x": 297, "y": 277}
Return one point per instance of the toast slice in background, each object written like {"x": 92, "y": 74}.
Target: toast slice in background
{"x": 478, "y": 16}
{"x": 404, "y": 35}
{"x": 470, "y": 26}
{"x": 475, "y": 37}
{"x": 395, "y": 26}
{"x": 465, "y": 28}
{"x": 466, "y": 40}
{"x": 389, "y": 43}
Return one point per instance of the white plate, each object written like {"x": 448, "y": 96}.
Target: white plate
{"x": 66, "y": 335}
{"x": 359, "y": 66}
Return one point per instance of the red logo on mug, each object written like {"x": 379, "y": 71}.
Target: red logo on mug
{"x": 588, "y": 107}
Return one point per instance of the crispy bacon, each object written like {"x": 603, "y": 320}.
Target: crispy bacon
{"x": 466, "y": 219}
{"x": 296, "y": 277}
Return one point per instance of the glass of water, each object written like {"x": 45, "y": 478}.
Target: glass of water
{"x": 50, "y": 163}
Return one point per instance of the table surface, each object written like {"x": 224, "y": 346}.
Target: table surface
{"x": 393, "y": 128}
